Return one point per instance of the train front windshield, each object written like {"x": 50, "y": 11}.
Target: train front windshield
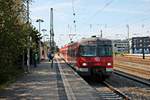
{"x": 104, "y": 50}
{"x": 90, "y": 51}
{"x": 87, "y": 51}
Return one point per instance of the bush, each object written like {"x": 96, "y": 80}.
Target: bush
{"x": 10, "y": 75}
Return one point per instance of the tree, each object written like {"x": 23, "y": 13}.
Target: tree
{"x": 13, "y": 36}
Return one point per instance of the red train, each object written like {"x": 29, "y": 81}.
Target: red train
{"x": 91, "y": 56}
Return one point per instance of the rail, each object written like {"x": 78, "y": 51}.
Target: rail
{"x": 116, "y": 91}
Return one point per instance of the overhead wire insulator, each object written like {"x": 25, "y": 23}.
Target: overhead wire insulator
{"x": 74, "y": 21}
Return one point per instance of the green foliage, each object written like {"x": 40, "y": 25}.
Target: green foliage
{"x": 10, "y": 73}
{"x": 13, "y": 36}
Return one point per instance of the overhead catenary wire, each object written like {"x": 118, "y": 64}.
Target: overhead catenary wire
{"x": 100, "y": 10}
{"x": 133, "y": 23}
{"x": 105, "y": 6}
{"x": 107, "y": 3}
{"x": 73, "y": 9}
{"x": 74, "y": 15}
{"x": 74, "y": 22}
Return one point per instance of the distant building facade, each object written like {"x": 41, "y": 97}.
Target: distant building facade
{"x": 140, "y": 42}
{"x": 120, "y": 46}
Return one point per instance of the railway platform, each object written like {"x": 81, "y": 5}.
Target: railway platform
{"x": 47, "y": 82}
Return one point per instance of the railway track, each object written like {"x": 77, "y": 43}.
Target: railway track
{"x": 117, "y": 95}
{"x": 136, "y": 65}
{"x": 108, "y": 92}
{"x": 111, "y": 93}
{"x": 133, "y": 70}
{"x": 134, "y": 87}
{"x": 134, "y": 78}
{"x": 134, "y": 60}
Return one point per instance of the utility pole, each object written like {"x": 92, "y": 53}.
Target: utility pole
{"x": 91, "y": 28}
{"x": 128, "y": 38}
{"x": 51, "y": 35}
{"x": 44, "y": 30}
{"x": 51, "y": 31}
{"x": 101, "y": 33}
{"x": 69, "y": 29}
{"x": 39, "y": 21}
{"x": 143, "y": 48}
{"x": 28, "y": 39}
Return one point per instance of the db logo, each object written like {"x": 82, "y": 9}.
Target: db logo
{"x": 97, "y": 59}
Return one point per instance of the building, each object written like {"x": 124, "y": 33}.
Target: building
{"x": 140, "y": 45}
{"x": 120, "y": 46}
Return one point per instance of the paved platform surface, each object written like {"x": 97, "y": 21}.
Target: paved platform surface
{"x": 46, "y": 82}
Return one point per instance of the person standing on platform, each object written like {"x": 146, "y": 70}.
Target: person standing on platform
{"x": 49, "y": 56}
{"x": 35, "y": 59}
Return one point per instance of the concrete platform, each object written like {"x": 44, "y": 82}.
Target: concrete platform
{"x": 46, "y": 82}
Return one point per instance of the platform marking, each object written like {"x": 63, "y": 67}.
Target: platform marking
{"x": 70, "y": 94}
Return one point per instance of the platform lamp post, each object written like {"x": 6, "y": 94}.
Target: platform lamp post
{"x": 39, "y": 21}
{"x": 44, "y": 30}
{"x": 44, "y": 51}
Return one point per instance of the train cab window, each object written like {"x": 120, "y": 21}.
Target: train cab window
{"x": 104, "y": 51}
{"x": 87, "y": 51}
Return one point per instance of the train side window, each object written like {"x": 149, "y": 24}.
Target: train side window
{"x": 71, "y": 52}
{"x": 78, "y": 52}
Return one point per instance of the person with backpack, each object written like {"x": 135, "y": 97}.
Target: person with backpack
{"x": 50, "y": 56}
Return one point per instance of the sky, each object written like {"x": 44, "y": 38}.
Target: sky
{"x": 92, "y": 16}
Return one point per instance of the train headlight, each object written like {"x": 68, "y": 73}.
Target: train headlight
{"x": 108, "y": 64}
{"x": 84, "y": 64}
